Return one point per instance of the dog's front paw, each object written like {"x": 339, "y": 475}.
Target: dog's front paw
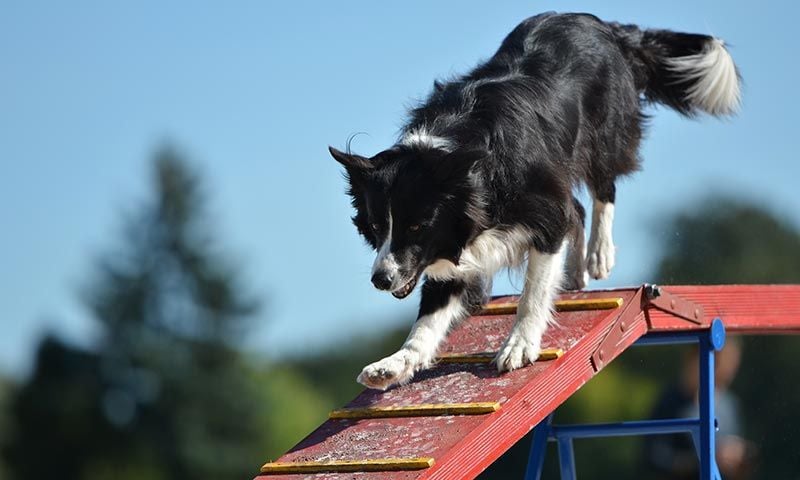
{"x": 397, "y": 368}
{"x": 516, "y": 352}
{"x": 600, "y": 259}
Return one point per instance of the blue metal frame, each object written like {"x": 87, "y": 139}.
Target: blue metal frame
{"x": 702, "y": 428}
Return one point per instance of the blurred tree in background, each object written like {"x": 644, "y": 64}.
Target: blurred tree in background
{"x": 164, "y": 393}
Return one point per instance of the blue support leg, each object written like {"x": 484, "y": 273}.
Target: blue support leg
{"x": 712, "y": 341}
{"x": 706, "y": 411}
{"x": 538, "y": 448}
{"x": 566, "y": 458}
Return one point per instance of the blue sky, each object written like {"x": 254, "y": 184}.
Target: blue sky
{"x": 255, "y": 91}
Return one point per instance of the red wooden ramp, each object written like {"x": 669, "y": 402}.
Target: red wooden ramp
{"x": 456, "y": 418}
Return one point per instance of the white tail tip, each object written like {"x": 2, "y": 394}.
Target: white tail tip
{"x": 714, "y": 82}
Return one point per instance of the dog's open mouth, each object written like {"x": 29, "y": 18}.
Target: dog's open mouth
{"x": 403, "y": 291}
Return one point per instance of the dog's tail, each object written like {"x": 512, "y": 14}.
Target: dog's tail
{"x": 685, "y": 71}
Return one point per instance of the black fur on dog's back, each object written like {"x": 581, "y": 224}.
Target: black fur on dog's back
{"x": 558, "y": 103}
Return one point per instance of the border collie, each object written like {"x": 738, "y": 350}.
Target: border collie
{"x": 483, "y": 174}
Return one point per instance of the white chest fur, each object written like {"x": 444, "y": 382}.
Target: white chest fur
{"x": 489, "y": 252}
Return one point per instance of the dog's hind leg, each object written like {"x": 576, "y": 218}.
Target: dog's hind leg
{"x": 600, "y": 256}
{"x": 575, "y": 267}
{"x": 535, "y": 309}
{"x": 443, "y": 304}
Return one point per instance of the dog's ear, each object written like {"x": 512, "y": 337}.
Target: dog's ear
{"x": 357, "y": 171}
{"x": 455, "y": 166}
{"x": 351, "y": 161}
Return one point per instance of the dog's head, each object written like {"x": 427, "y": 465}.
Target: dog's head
{"x": 415, "y": 207}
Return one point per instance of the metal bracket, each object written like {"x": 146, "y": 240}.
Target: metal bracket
{"x": 656, "y": 297}
{"x": 650, "y": 296}
{"x": 611, "y": 345}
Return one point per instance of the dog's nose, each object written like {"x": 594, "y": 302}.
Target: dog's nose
{"x": 381, "y": 280}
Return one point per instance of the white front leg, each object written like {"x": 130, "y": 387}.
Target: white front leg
{"x": 600, "y": 259}
{"x": 418, "y": 351}
{"x": 535, "y": 310}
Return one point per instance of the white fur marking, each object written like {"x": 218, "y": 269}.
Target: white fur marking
{"x": 714, "y": 81}
{"x": 430, "y": 330}
{"x": 535, "y": 310}
{"x": 385, "y": 259}
{"x": 600, "y": 259}
{"x": 419, "y": 350}
{"x": 485, "y": 255}
{"x": 422, "y": 138}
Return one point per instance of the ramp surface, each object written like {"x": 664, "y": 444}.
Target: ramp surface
{"x": 496, "y": 410}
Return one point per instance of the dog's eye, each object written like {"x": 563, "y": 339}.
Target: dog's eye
{"x": 374, "y": 226}
{"x": 413, "y": 228}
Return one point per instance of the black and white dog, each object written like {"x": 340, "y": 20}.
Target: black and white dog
{"x": 484, "y": 172}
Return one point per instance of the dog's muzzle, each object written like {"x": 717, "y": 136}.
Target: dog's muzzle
{"x": 383, "y": 281}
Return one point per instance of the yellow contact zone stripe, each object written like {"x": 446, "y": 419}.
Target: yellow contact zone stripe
{"x": 488, "y": 357}
{"x": 560, "y": 306}
{"x": 335, "y": 466}
{"x": 421, "y": 410}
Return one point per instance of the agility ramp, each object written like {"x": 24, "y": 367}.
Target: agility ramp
{"x": 457, "y": 417}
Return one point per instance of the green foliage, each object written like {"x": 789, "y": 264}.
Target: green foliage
{"x": 290, "y": 406}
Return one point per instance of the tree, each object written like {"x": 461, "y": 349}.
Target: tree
{"x": 171, "y": 309}
{"x": 165, "y": 393}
